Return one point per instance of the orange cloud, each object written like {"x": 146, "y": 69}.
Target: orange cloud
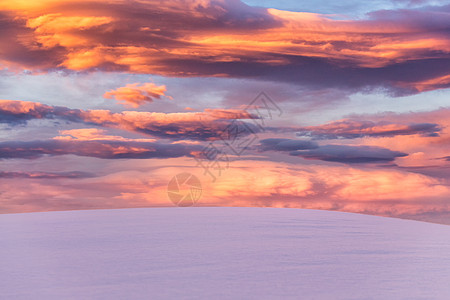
{"x": 136, "y": 94}
{"x": 54, "y": 30}
{"x": 378, "y": 191}
{"x": 229, "y": 38}
{"x": 381, "y": 191}
{"x": 429, "y": 84}
{"x": 206, "y": 125}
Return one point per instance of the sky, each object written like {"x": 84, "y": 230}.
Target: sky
{"x": 322, "y": 105}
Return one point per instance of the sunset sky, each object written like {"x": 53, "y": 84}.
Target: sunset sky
{"x": 104, "y": 102}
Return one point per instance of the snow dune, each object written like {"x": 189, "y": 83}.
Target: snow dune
{"x": 221, "y": 253}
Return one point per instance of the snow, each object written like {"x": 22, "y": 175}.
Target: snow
{"x": 221, "y": 253}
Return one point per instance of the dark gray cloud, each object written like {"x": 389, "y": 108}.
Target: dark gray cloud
{"x": 278, "y": 144}
{"x": 98, "y": 149}
{"x": 351, "y": 129}
{"x": 166, "y": 38}
{"x": 350, "y": 154}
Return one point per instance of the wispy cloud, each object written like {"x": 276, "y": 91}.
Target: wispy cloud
{"x": 98, "y": 149}
{"x": 206, "y": 125}
{"x": 351, "y": 129}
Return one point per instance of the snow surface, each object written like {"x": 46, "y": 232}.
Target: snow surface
{"x": 221, "y": 253}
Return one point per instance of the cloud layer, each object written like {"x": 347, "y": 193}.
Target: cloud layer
{"x": 98, "y": 149}
{"x": 352, "y": 129}
{"x": 350, "y": 154}
{"x": 207, "y": 125}
{"x": 379, "y": 191}
{"x": 332, "y": 153}
{"x": 406, "y": 51}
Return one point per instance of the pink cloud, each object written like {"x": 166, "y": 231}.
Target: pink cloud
{"x": 378, "y": 191}
{"x": 94, "y": 134}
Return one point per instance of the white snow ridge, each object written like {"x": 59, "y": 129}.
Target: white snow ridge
{"x": 221, "y": 253}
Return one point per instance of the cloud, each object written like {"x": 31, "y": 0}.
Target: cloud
{"x": 350, "y": 154}
{"x": 207, "y": 125}
{"x": 352, "y": 129}
{"x": 405, "y": 51}
{"x": 94, "y": 134}
{"x": 426, "y": 141}
{"x": 333, "y": 153}
{"x": 94, "y": 148}
{"x": 135, "y": 94}
{"x": 16, "y": 112}
{"x": 379, "y": 191}
{"x": 280, "y": 144}
{"x": 45, "y": 175}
